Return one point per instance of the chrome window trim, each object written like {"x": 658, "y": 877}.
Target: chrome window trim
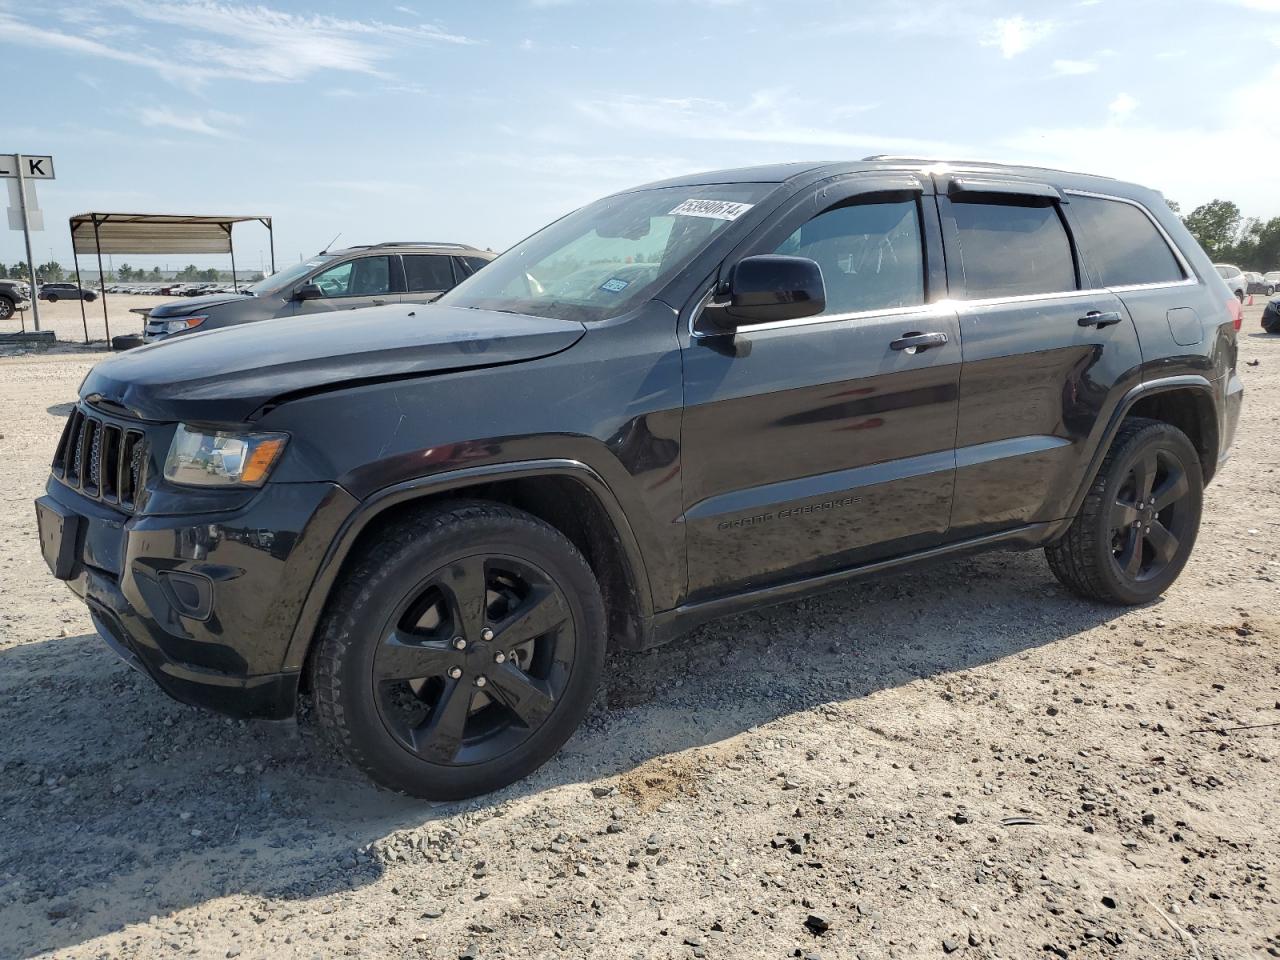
{"x": 952, "y": 305}
{"x": 1188, "y": 275}
{"x": 922, "y": 310}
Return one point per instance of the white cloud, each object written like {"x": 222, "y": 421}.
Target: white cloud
{"x": 1073, "y": 68}
{"x": 212, "y": 124}
{"x": 209, "y": 40}
{"x": 1121, "y": 108}
{"x": 1015, "y": 35}
{"x": 1188, "y": 164}
{"x": 769, "y": 117}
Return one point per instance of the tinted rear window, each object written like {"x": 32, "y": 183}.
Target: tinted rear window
{"x": 1120, "y": 243}
{"x": 428, "y": 272}
{"x": 1013, "y": 249}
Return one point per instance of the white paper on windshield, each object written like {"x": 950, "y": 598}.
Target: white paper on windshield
{"x": 713, "y": 209}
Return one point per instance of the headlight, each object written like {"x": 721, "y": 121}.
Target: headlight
{"x": 218, "y": 459}
{"x": 177, "y": 326}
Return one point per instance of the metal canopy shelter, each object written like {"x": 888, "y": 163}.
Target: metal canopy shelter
{"x": 153, "y": 233}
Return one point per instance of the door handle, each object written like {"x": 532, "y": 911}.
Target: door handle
{"x": 1096, "y": 318}
{"x": 911, "y": 342}
{"x": 379, "y": 303}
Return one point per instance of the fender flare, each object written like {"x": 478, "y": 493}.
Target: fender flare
{"x": 373, "y": 505}
{"x": 1141, "y": 391}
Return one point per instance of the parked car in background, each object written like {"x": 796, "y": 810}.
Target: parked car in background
{"x": 14, "y": 295}
{"x": 1271, "y": 282}
{"x": 366, "y": 276}
{"x": 1234, "y": 278}
{"x": 1257, "y": 283}
{"x": 437, "y": 520}
{"x": 53, "y": 292}
{"x": 1271, "y": 316}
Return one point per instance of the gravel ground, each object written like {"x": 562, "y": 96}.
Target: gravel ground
{"x": 961, "y": 760}
{"x": 64, "y": 318}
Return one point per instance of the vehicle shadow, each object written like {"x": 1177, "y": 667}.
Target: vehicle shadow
{"x": 119, "y": 805}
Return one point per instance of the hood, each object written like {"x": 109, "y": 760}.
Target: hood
{"x": 226, "y": 375}
{"x": 189, "y": 305}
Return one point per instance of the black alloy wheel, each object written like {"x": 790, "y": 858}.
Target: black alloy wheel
{"x": 1137, "y": 526}
{"x": 1150, "y": 515}
{"x": 461, "y": 649}
{"x": 473, "y": 660}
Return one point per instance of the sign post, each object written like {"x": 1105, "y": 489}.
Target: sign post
{"x": 24, "y": 168}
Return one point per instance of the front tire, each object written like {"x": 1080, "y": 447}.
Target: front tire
{"x": 6, "y": 308}
{"x": 1138, "y": 524}
{"x": 460, "y": 651}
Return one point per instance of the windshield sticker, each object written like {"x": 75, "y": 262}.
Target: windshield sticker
{"x": 615, "y": 285}
{"x": 714, "y": 209}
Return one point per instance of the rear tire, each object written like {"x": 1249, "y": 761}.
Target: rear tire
{"x": 1138, "y": 524}
{"x": 460, "y": 651}
{"x": 6, "y": 308}
{"x": 52, "y": 298}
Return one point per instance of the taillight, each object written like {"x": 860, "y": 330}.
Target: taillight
{"x": 1235, "y": 312}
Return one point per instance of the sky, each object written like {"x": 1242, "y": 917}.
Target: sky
{"x": 480, "y": 122}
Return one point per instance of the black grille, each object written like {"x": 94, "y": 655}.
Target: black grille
{"x": 101, "y": 459}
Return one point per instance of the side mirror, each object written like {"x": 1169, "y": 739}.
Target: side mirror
{"x": 308, "y": 291}
{"x": 769, "y": 288}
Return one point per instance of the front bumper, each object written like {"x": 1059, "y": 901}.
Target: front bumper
{"x": 205, "y": 605}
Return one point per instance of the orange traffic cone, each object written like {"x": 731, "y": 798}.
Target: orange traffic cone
{"x": 1250, "y": 303}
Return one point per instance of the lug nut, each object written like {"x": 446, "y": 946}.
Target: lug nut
{"x": 486, "y": 634}
{"x": 459, "y": 643}
{"x": 499, "y": 657}
{"x": 481, "y": 681}
{"x": 455, "y": 672}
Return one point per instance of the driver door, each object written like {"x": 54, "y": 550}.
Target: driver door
{"x": 361, "y": 282}
{"x": 827, "y": 442}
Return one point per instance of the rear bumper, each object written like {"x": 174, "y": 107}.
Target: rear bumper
{"x": 205, "y": 604}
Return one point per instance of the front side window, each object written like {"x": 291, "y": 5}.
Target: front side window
{"x": 610, "y": 256}
{"x": 1120, "y": 243}
{"x": 870, "y": 254}
{"x": 365, "y": 277}
{"x": 1010, "y": 249}
{"x": 428, "y": 272}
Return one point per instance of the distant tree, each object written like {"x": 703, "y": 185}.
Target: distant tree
{"x": 51, "y": 271}
{"x": 1216, "y": 225}
{"x": 256, "y": 277}
{"x": 189, "y": 272}
{"x": 155, "y": 274}
{"x": 19, "y": 271}
{"x": 1175, "y": 206}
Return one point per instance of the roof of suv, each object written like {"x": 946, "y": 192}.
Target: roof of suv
{"x": 784, "y": 172}
{"x": 417, "y": 246}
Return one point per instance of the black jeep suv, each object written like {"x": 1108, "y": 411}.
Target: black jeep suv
{"x": 682, "y": 400}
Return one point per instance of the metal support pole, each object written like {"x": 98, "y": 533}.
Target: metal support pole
{"x": 26, "y": 235}
{"x": 231, "y": 245}
{"x": 271, "y": 236}
{"x": 75, "y": 256}
{"x": 97, "y": 243}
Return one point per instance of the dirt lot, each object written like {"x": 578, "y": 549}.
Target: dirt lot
{"x": 963, "y": 760}
{"x": 64, "y": 318}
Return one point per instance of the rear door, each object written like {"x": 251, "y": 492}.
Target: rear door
{"x": 816, "y": 444}
{"x": 359, "y": 282}
{"x": 427, "y": 276}
{"x": 1045, "y": 356}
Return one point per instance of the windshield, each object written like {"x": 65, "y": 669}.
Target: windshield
{"x": 608, "y": 257}
{"x": 285, "y": 278}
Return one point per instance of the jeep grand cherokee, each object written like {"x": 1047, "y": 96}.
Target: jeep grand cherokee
{"x": 678, "y": 402}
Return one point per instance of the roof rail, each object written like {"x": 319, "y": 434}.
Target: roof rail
{"x": 974, "y": 163}
{"x": 424, "y": 243}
